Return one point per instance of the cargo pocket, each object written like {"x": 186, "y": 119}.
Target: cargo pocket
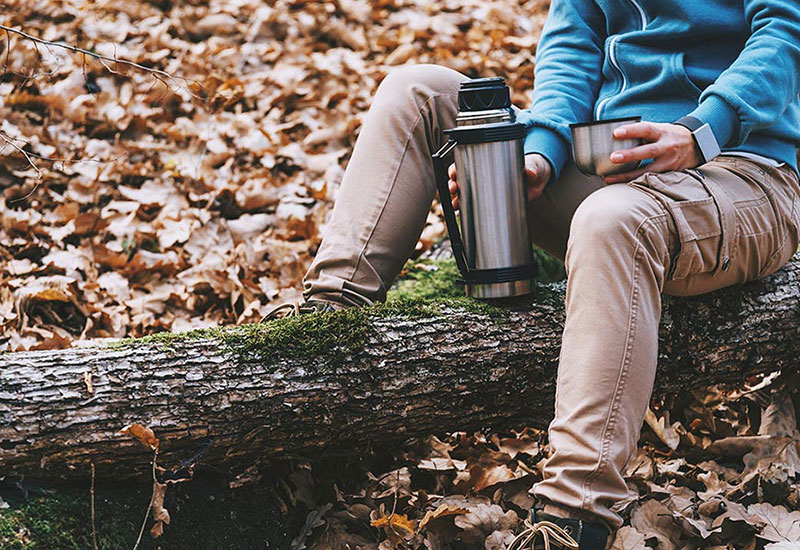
{"x": 703, "y": 218}
{"x": 767, "y": 227}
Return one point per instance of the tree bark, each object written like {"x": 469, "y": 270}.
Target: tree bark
{"x": 412, "y": 375}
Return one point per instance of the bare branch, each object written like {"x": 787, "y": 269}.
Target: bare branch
{"x": 160, "y": 75}
{"x": 12, "y": 142}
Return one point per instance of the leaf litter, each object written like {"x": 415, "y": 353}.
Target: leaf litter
{"x": 132, "y": 204}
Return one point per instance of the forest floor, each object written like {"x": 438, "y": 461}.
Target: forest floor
{"x": 135, "y": 203}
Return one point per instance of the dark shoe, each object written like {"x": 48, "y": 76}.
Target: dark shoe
{"x": 294, "y": 309}
{"x": 550, "y": 532}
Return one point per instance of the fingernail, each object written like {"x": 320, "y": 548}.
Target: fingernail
{"x": 616, "y": 157}
{"x": 619, "y": 132}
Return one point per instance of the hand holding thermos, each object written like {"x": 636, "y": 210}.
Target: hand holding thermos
{"x": 492, "y": 246}
{"x": 537, "y": 174}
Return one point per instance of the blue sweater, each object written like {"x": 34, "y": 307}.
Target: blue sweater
{"x": 734, "y": 64}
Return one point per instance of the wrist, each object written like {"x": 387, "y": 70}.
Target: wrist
{"x": 706, "y": 145}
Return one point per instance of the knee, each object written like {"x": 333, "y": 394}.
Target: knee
{"x": 415, "y": 85}
{"x": 612, "y": 217}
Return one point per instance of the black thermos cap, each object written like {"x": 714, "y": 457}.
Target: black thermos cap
{"x": 481, "y": 94}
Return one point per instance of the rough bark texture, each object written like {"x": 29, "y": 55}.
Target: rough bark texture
{"x": 412, "y": 374}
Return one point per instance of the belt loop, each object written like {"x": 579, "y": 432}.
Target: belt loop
{"x": 727, "y": 218}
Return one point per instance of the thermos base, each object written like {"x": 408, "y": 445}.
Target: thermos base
{"x": 499, "y": 290}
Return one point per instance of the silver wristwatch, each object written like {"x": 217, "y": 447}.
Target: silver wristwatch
{"x": 703, "y": 137}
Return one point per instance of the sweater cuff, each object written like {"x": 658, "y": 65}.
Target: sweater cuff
{"x": 549, "y": 144}
{"x": 720, "y": 116}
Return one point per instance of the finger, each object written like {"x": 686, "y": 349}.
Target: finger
{"x": 644, "y": 130}
{"x": 453, "y": 187}
{"x": 536, "y": 185}
{"x": 532, "y": 173}
{"x": 633, "y": 174}
{"x": 451, "y": 171}
{"x": 643, "y": 152}
{"x": 455, "y": 203}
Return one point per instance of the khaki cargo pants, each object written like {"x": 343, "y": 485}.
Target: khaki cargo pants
{"x": 681, "y": 233}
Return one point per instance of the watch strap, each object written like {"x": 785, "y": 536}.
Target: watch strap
{"x": 689, "y": 122}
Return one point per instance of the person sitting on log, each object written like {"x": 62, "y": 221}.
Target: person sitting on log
{"x": 691, "y": 220}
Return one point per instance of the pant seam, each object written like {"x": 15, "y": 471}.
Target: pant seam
{"x": 780, "y": 221}
{"x": 391, "y": 187}
{"x": 610, "y": 425}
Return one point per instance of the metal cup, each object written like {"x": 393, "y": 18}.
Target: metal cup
{"x": 593, "y": 143}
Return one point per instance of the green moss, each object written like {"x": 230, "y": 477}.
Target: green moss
{"x": 63, "y": 522}
{"x": 429, "y": 280}
{"x": 549, "y": 269}
{"x": 218, "y": 520}
{"x": 426, "y": 289}
{"x": 433, "y": 280}
{"x": 168, "y": 339}
{"x": 333, "y": 335}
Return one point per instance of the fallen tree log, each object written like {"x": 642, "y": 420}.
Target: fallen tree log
{"x": 369, "y": 376}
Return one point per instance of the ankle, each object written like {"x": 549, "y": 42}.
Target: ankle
{"x": 588, "y": 530}
{"x": 570, "y": 513}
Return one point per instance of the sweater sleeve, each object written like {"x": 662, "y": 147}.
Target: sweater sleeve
{"x": 567, "y": 76}
{"x": 763, "y": 80}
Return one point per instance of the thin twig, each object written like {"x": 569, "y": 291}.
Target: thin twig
{"x": 94, "y": 525}
{"x": 24, "y": 153}
{"x": 58, "y": 159}
{"x": 157, "y": 73}
{"x": 149, "y": 506}
{"x": 33, "y": 75}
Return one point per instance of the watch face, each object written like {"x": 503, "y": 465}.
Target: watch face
{"x": 706, "y": 142}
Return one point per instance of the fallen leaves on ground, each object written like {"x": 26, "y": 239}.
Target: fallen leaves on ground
{"x": 132, "y": 205}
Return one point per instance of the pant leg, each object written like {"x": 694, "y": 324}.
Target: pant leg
{"x": 627, "y": 244}
{"x": 387, "y": 189}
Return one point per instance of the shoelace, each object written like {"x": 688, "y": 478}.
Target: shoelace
{"x": 546, "y": 530}
{"x": 289, "y": 309}
{"x": 293, "y": 309}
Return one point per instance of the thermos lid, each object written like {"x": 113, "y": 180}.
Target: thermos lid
{"x": 482, "y": 94}
{"x": 486, "y": 133}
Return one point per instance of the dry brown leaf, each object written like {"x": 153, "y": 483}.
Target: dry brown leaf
{"x": 499, "y": 540}
{"x": 145, "y": 435}
{"x": 443, "y": 510}
{"x": 392, "y": 521}
{"x": 160, "y": 514}
{"x": 779, "y": 418}
{"x": 654, "y": 520}
{"x": 513, "y": 446}
{"x": 662, "y": 429}
{"x": 628, "y": 538}
{"x": 780, "y": 524}
{"x": 483, "y": 519}
{"x": 491, "y": 475}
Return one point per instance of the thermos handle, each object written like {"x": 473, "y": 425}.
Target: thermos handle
{"x": 440, "y": 170}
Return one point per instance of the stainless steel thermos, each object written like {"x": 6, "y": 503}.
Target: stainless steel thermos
{"x": 493, "y": 250}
